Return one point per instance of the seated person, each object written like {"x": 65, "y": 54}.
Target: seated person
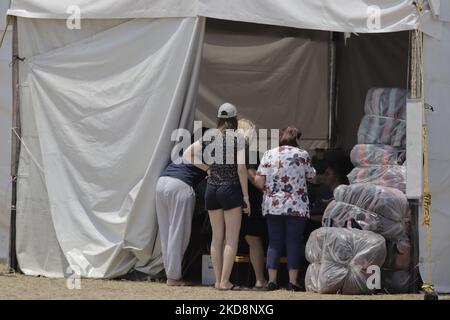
{"x": 337, "y": 166}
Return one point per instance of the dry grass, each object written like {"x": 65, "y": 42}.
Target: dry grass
{"x": 19, "y": 286}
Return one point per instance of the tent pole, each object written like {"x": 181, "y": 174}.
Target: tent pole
{"x": 15, "y": 148}
{"x": 413, "y": 203}
{"x": 332, "y": 89}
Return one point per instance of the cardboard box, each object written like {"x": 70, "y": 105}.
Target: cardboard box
{"x": 208, "y": 277}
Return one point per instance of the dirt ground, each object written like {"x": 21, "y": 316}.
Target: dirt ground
{"x": 18, "y": 286}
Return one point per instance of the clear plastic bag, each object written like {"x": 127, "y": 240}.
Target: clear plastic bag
{"x": 382, "y": 130}
{"x": 369, "y": 207}
{"x": 398, "y": 254}
{"x": 339, "y": 260}
{"x": 398, "y": 281}
{"x": 344, "y": 215}
{"x": 326, "y": 277}
{"x": 392, "y": 176}
{"x": 388, "y": 102}
{"x": 363, "y": 155}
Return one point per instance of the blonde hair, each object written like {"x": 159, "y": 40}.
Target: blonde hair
{"x": 247, "y": 128}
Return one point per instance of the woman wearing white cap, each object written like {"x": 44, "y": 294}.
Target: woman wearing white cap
{"x": 226, "y": 194}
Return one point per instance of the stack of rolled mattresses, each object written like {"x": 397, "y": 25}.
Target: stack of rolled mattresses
{"x": 367, "y": 225}
{"x": 380, "y": 153}
{"x": 381, "y": 210}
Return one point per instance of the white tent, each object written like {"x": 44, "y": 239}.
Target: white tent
{"x": 98, "y": 105}
{"x": 5, "y": 132}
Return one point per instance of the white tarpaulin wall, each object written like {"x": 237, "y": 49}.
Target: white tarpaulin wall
{"x": 5, "y": 133}
{"x": 270, "y": 73}
{"x": 95, "y": 147}
{"x": 437, "y": 94}
{"x": 330, "y": 15}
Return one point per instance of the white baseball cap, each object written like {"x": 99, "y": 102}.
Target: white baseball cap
{"x": 227, "y": 110}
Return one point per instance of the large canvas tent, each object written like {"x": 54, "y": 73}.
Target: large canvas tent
{"x": 98, "y": 104}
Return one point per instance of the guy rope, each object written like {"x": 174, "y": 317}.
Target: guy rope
{"x": 417, "y": 91}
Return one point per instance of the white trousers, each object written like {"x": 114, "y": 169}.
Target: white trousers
{"x": 175, "y": 202}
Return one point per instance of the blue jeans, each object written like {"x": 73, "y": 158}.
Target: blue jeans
{"x": 284, "y": 231}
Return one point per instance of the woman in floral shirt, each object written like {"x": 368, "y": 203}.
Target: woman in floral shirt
{"x": 283, "y": 173}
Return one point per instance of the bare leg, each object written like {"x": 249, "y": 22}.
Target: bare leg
{"x": 273, "y": 275}
{"x": 257, "y": 259}
{"x": 232, "y": 226}
{"x": 293, "y": 273}
{"x": 216, "y": 217}
{"x": 176, "y": 283}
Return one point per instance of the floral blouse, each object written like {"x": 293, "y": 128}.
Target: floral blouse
{"x": 286, "y": 169}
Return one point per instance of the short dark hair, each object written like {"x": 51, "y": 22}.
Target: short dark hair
{"x": 227, "y": 124}
{"x": 339, "y": 172}
{"x": 289, "y": 136}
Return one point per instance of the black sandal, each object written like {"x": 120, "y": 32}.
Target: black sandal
{"x": 294, "y": 287}
{"x": 270, "y": 286}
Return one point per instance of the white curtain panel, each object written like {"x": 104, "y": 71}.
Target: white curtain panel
{"x": 103, "y": 109}
{"x": 5, "y": 143}
{"x": 4, "y": 6}
{"x": 437, "y": 94}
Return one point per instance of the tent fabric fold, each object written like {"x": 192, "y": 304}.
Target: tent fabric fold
{"x": 102, "y": 138}
{"x": 336, "y": 15}
{"x": 437, "y": 94}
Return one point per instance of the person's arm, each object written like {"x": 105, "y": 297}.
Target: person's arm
{"x": 251, "y": 172}
{"x": 260, "y": 181}
{"x": 190, "y": 155}
{"x": 243, "y": 179}
{"x": 310, "y": 172}
{"x": 263, "y": 170}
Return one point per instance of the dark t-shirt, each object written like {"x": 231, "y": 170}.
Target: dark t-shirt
{"x": 253, "y": 225}
{"x": 185, "y": 172}
{"x": 255, "y": 195}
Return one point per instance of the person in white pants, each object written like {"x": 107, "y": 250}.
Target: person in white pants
{"x": 175, "y": 202}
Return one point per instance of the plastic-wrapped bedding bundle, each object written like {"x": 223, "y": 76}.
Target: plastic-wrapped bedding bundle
{"x": 369, "y": 207}
{"x": 396, "y": 281}
{"x": 382, "y": 130}
{"x": 345, "y": 215}
{"x": 393, "y": 176}
{"x": 384, "y": 122}
{"x": 376, "y": 154}
{"x": 339, "y": 260}
{"x": 398, "y": 254}
{"x": 388, "y": 102}
{"x": 396, "y": 276}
